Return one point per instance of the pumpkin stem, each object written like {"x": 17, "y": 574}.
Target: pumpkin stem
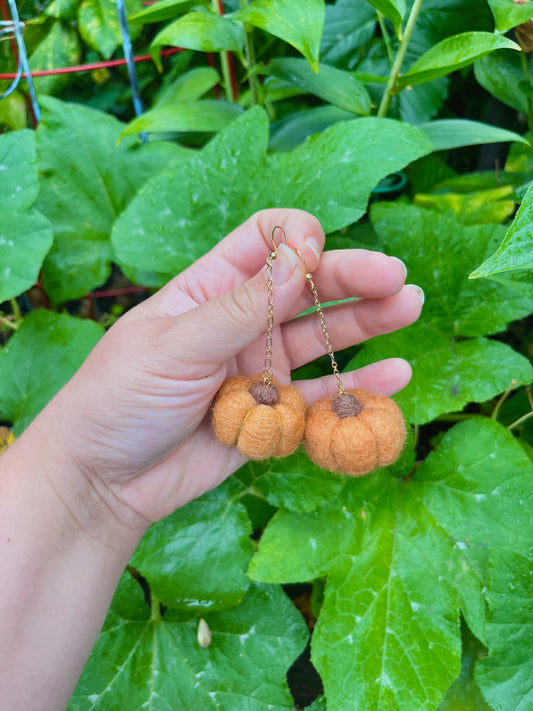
{"x": 264, "y": 394}
{"x": 346, "y": 405}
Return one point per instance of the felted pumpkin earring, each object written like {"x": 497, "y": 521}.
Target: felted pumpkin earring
{"x": 355, "y": 431}
{"x": 255, "y": 414}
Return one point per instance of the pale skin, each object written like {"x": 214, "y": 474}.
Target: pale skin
{"x": 128, "y": 440}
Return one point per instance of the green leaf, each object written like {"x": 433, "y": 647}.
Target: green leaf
{"x": 139, "y": 662}
{"x": 393, "y": 9}
{"x": 14, "y": 112}
{"x": 516, "y": 250}
{"x": 408, "y": 557}
{"x": 294, "y": 482}
{"x": 297, "y": 22}
{"x": 38, "y": 360}
{"x": 349, "y": 25}
{"x": 293, "y": 129}
{"x": 475, "y": 208}
{"x": 209, "y": 115}
{"x": 19, "y": 185}
{"x": 62, "y": 9}
{"x": 506, "y": 676}
{"x": 455, "y": 133}
{"x": 196, "y": 558}
{"x": 99, "y": 27}
{"x": 25, "y": 235}
{"x": 177, "y": 217}
{"x": 190, "y": 86}
{"x": 500, "y": 73}
{"x": 452, "y": 54}
{"x": 335, "y": 86}
{"x": 162, "y": 10}
{"x": 60, "y": 48}
{"x": 205, "y": 31}
{"x": 86, "y": 181}
{"x": 508, "y": 15}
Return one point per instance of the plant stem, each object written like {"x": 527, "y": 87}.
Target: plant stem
{"x": 224, "y": 60}
{"x": 529, "y": 100}
{"x": 155, "y": 607}
{"x": 502, "y": 399}
{"x": 8, "y": 324}
{"x": 520, "y": 420}
{"x": 398, "y": 60}
{"x": 385, "y": 35}
{"x": 16, "y": 309}
{"x": 249, "y": 51}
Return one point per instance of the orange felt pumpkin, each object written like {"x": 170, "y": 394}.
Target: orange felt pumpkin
{"x": 354, "y": 432}
{"x": 260, "y": 420}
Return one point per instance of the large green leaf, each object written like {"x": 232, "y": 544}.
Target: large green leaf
{"x": 297, "y": 22}
{"x": 449, "y": 371}
{"x": 408, "y": 556}
{"x": 38, "y": 360}
{"x": 196, "y": 558}
{"x": 335, "y": 86}
{"x": 25, "y": 235}
{"x": 205, "y": 31}
{"x": 292, "y": 130}
{"x": 506, "y": 676}
{"x": 508, "y": 14}
{"x": 177, "y": 217}
{"x": 205, "y": 115}
{"x": 99, "y": 27}
{"x": 454, "y": 133}
{"x": 516, "y": 250}
{"x": 452, "y": 54}
{"x": 500, "y": 73}
{"x": 163, "y": 10}
{"x": 393, "y": 9}
{"x": 142, "y": 662}
{"x": 86, "y": 181}
{"x": 189, "y": 86}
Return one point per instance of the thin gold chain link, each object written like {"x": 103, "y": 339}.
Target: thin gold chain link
{"x": 267, "y": 373}
{"x": 325, "y": 331}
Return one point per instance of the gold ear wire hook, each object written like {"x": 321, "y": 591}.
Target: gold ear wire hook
{"x": 277, "y": 227}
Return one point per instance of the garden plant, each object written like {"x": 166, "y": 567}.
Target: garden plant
{"x": 403, "y": 125}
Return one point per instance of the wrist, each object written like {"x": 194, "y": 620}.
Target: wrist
{"x": 81, "y": 503}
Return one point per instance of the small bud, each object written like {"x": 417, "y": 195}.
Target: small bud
{"x": 203, "y": 634}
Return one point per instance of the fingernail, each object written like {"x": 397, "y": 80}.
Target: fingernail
{"x": 402, "y": 263}
{"x": 284, "y": 264}
{"x": 313, "y": 246}
{"x": 419, "y": 291}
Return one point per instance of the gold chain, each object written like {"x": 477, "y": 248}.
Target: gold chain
{"x": 267, "y": 373}
{"x": 325, "y": 331}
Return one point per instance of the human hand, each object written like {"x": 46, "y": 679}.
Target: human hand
{"x": 134, "y": 419}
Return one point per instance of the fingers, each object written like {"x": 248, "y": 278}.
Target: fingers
{"x": 348, "y": 324}
{"x": 385, "y": 377}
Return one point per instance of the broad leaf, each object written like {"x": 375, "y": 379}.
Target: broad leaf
{"x": 177, "y": 217}
{"x": 500, "y": 73}
{"x": 516, "y": 250}
{"x": 86, "y": 181}
{"x": 349, "y": 24}
{"x": 449, "y": 371}
{"x": 407, "y": 557}
{"x": 297, "y": 22}
{"x": 508, "y": 14}
{"x": 190, "y": 86}
{"x": 454, "y": 133}
{"x": 163, "y": 10}
{"x": 205, "y": 31}
{"x": 140, "y": 662}
{"x": 208, "y": 115}
{"x": 506, "y": 677}
{"x": 452, "y": 54}
{"x": 25, "y": 235}
{"x": 99, "y": 27}
{"x": 197, "y": 558}
{"x": 335, "y": 86}
{"x": 38, "y": 360}
{"x": 293, "y": 129}
{"x": 394, "y": 10}
{"x": 60, "y": 48}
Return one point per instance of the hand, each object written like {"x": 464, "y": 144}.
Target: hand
{"x": 134, "y": 419}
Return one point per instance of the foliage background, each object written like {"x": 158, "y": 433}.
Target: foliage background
{"x": 404, "y": 127}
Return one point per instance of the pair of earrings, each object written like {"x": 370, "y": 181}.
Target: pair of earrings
{"x": 352, "y": 432}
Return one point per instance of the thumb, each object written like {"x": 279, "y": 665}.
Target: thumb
{"x": 222, "y": 327}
